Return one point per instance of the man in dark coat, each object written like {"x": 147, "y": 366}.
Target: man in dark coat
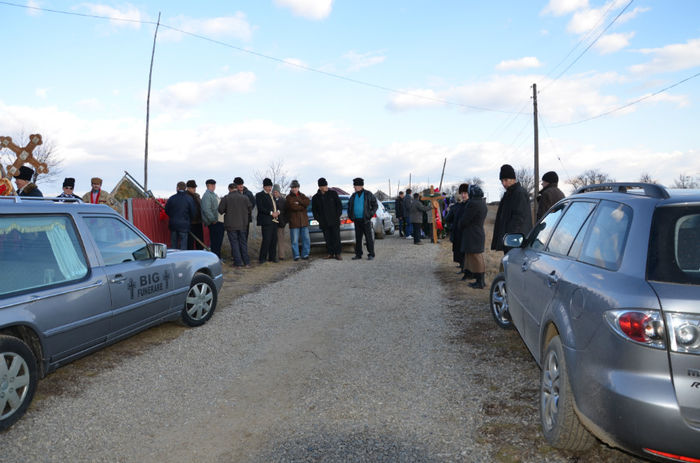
{"x": 513, "y": 214}
{"x": 196, "y": 228}
{"x": 399, "y": 213}
{"x": 240, "y": 185}
{"x": 550, "y": 193}
{"x": 407, "y": 202}
{"x": 471, "y": 226}
{"x": 25, "y": 187}
{"x": 327, "y": 209}
{"x": 236, "y": 207}
{"x": 281, "y": 205}
{"x": 180, "y": 208}
{"x": 268, "y": 220}
{"x": 362, "y": 205}
{"x": 68, "y": 188}
{"x": 454, "y": 215}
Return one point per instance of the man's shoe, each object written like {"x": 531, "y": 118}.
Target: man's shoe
{"x": 329, "y": 256}
{"x": 420, "y": 242}
{"x": 338, "y": 257}
{"x": 276, "y": 261}
{"x": 305, "y": 258}
{"x": 296, "y": 259}
{"x": 408, "y": 237}
{"x": 357, "y": 258}
{"x": 370, "y": 257}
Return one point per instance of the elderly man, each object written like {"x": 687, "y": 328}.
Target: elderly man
{"x": 236, "y": 206}
{"x": 68, "y": 187}
{"x": 180, "y": 209}
{"x": 298, "y": 219}
{"x": 23, "y": 180}
{"x": 513, "y": 215}
{"x": 97, "y": 196}
{"x": 362, "y": 205}
{"x": 210, "y": 217}
{"x": 327, "y": 209}
{"x": 196, "y": 229}
{"x": 268, "y": 220}
{"x": 550, "y": 193}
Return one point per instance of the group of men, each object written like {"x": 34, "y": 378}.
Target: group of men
{"x": 409, "y": 212}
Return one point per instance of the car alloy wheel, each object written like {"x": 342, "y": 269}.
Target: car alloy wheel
{"x": 18, "y": 378}
{"x": 200, "y": 301}
{"x": 499, "y": 303}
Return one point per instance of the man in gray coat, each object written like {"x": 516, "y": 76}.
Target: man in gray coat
{"x": 236, "y": 207}
{"x": 210, "y": 217}
{"x": 417, "y": 209}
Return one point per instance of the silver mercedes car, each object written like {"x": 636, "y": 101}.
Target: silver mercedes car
{"x": 605, "y": 293}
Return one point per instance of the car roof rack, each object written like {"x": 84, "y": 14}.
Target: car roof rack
{"x": 650, "y": 189}
{"x": 20, "y": 199}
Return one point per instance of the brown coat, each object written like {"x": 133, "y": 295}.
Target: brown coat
{"x": 295, "y": 210}
{"x": 235, "y": 207}
{"x": 103, "y": 198}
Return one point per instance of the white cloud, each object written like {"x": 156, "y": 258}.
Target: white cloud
{"x": 190, "y": 94}
{"x": 414, "y": 99}
{"x": 225, "y": 26}
{"x": 562, "y": 7}
{"x": 522, "y": 63}
{"x": 41, "y": 93}
{"x": 127, "y": 16}
{"x": 674, "y": 57}
{"x": 585, "y": 20}
{"x": 91, "y": 104}
{"x": 294, "y": 64}
{"x": 359, "y": 61}
{"x": 632, "y": 14}
{"x": 611, "y": 43}
{"x": 33, "y": 8}
{"x": 310, "y": 9}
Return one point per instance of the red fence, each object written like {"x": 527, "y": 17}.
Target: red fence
{"x": 146, "y": 215}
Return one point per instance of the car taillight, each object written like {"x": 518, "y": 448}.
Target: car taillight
{"x": 641, "y": 326}
{"x": 683, "y": 332}
{"x": 345, "y": 221}
{"x": 375, "y": 215}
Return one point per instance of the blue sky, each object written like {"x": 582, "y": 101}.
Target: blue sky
{"x": 217, "y": 111}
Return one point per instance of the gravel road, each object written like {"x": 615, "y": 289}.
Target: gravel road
{"x": 388, "y": 360}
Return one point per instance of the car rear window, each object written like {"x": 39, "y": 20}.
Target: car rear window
{"x": 674, "y": 253}
{"x": 38, "y": 251}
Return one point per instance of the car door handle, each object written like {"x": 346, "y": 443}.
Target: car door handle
{"x": 552, "y": 279}
{"x": 118, "y": 279}
{"x": 525, "y": 266}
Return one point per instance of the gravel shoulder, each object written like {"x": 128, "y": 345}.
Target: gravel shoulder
{"x": 389, "y": 360}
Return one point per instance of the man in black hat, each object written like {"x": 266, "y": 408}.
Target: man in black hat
{"x": 25, "y": 187}
{"x": 68, "y": 187}
{"x": 361, "y": 207}
{"x": 327, "y": 210}
{"x": 196, "y": 228}
{"x": 268, "y": 219}
{"x": 549, "y": 194}
{"x": 513, "y": 214}
{"x": 240, "y": 186}
{"x": 210, "y": 217}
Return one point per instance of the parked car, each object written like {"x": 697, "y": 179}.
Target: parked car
{"x": 604, "y": 292}
{"x": 390, "y": 206}
{"x": 382, "y": 222}
{"x": 347, "y": 227}
{"x": 77, "y": 277}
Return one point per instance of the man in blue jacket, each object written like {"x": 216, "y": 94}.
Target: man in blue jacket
{"x": 361, "y": 207}
{"x": 181, "y": 210}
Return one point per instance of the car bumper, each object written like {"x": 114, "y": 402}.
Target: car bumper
{"x": 347, "y": 235}
{"x": 629, "y": 402}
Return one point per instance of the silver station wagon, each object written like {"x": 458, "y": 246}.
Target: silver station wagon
{"x": 605, "y": 293}
{"x": 77, "y": 277}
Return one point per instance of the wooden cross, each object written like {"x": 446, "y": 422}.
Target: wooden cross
{"x": 24, "y": 155}
{"x": 434, "y": 199}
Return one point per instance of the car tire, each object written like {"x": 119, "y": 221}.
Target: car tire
{"x": 200, "y": 301}
{"x": 560, "y": 425}
{"x": 18, "y": 379}
{"x": 498, "y": 302}
{"x": 380, "y": 234}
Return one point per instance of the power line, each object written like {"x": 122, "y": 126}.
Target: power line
{"x": 638, "y": 100}
{"x": 554, "y": 148}
{"x": 262, "y": 55}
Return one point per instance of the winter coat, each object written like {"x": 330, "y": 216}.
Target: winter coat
{"x": 198, "y": 207}
{"x": 180, "y": 209}
{"x": 417, "y": 209}
{"x": 282, "y": 206}
{"x": 452, "y": 218}
{"x": 471, "y": 226}
{"x": 399, "y": 207}
{"x": 210, "y": 211}
{"x": 327, "y": 209}
{"x": 30, "y": 189}
{"x": 236, "y": 208}
{"x": 295, "y": 210}
{"x": 264, "y": 202}
{"x": 513, "y": 215}
{"x": 251, "y": 198}
{"x": 370, "y": 206}
{"x": 102, "y": 198}
{"x": 547, "y": 198}
{"x": 407, "y": 201}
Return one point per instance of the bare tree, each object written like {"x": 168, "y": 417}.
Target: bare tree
{"x": 276, "y": 172}
{"x": 685, "y": 182}
{"x": 526, "y": 178}
{"x": 590, "y": 177}
{"x": 474, "y": 181}
{"x": 46, "y": 152}
{"x": 647, "y": 178}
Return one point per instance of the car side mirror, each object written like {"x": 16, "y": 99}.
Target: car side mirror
{"x": 513, "y": 240}
{"x": 157, "y": 250}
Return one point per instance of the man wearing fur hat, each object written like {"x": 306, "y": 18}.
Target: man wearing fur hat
{"x": 549, "y": 194}
{"x": 97, "y": 196}
{"x": 68, "y": 187}
{"x": 327, "y": 209}
{"x": 362, "y": 205}
{"x": 513, "y": 215}
{"x": 268, "y": 220}
{"x": 25, "y": 187}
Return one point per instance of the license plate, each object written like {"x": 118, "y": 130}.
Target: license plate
{"x": 314, "y": 222}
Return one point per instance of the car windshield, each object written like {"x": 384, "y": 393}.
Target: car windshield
{"x": 390, "y": 206}
{"x": 674, "y": 254}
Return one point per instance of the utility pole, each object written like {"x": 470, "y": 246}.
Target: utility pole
{"x": 409, "y": 180}
{"x": 442, "y": 175}
{"x": 148, "y": 108}
{"x": 537, "y": 153}
{"x": 390, "y": 188}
